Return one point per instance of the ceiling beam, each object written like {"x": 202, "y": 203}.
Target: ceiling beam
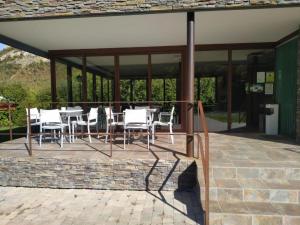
{"x": 287, "y": 37}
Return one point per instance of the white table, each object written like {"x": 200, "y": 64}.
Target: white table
{"x": 69, "y": 113}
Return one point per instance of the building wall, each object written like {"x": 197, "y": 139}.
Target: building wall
{"x": 298, "y": 93}
{"x": 286, "y": 86}
{"x": 33, "y": 8}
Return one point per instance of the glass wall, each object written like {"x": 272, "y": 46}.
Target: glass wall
{"x": 211, "y": 70}
{"x": 249, "y": 82}
{"x": 166, "y": 76}
{"x": 133, "y": 76}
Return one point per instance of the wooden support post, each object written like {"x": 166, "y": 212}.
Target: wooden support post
{"x": 94, "y": 88}
{"x": 117, "y": 84}
{"x": 164, "y": 89}
{"x": 102, "y": 91}
{"x": 108, "y": 89}
{"x": 198, "y": 88}
{"x": 84, "y": 83}
{"x": 229, "y": 90}
{"x": 149, "y": 80}
{"x": 131, "y": 90}
{"x": 53, "y": 82}
{"x": 189, "y": 86}
{"x": 69, "y": 85}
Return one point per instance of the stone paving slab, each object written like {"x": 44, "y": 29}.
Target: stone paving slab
{"x": 81, "y": 206}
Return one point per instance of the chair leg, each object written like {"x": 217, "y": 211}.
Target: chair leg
{"x": 148, "y": 139}
{"x": 124, "y": 139}
{"x": 40, "y": 142}
{"x": 128, "y": 137}
{"x": 153, "y": 134}
{"x": 171, "y": 135}
{"x": 97, "y": 128}
{"x": 72, "y": 137}
{"x": 89, "y": 132}
{"x": 61, "y": 138}
{"x": 106, "y": 136}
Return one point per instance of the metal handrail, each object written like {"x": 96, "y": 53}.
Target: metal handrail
{"x": 204, "y": 157}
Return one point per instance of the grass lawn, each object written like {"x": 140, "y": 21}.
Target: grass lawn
{"x": 222, "y": 117}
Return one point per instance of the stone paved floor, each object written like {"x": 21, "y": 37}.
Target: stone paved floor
{"x": 22, "y": 206}
{"x": 225, "y": 148}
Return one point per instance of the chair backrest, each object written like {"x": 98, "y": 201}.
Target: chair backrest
{"x": 34, "y": 113}
{"x": 109, "y": 114}
{"x": 93, "y": 115}
{"x": 142, "y": 107}
{"x": 135, "y": 116}
{"x": 172, "y": 114}
{"x": 50, "y": 116}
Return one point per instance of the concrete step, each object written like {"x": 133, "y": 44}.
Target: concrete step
{"x": 253, "y": 213}
{"x": 253, "y": 190}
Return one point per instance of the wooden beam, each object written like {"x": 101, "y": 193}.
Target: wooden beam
{"x": 102, "y": 91}
{"x": 116, "y": 51}
{"x": 236, "y": 46}
{"x": 288, "y": 37}
{"x": 157, "y": 49}
{"x": 53, "y": 82}
{"x": 131, "y": 90}
{"x": 69, "y": 85}
{"x": 84, "y": 81}
{"x": 229, "y": 90}
{"x": 149, "y": 79}
{"x": 117, "y": 95}
{"x": 94, "y": 88}
{"x": 189, "y": 86}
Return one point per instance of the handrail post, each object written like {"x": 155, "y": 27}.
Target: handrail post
{"x": 10, "y": 122}
{"x": 110, "y": 131}
{"x": 29, "y": 131}
{"x": 205, "y": 159}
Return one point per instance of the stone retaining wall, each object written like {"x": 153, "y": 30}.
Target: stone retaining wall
{"x": 111, "y": 174}
{"x": 42, "y": 8}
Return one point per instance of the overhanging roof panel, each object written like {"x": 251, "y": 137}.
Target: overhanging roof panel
{"x": 99, "y": 32}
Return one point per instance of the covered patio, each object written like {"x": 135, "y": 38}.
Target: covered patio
{"x": 162, "y": 48}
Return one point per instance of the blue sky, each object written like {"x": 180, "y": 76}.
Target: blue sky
{"x": 2, "y": 46}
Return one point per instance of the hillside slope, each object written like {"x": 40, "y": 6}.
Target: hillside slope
{"x": 31, "y": 71}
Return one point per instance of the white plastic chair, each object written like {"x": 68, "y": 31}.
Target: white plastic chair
{"x": 34, "y": 120}
{"x": 92, "y": 120}
{"x": 112, "y": 119}
{"x": 136, "y": 119}
{"x": 51, "y": 120}
{"x": 164, "y": 124}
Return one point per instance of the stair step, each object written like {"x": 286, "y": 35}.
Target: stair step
{"x": 252, "y": 213}
{"x": 246, "y": 190}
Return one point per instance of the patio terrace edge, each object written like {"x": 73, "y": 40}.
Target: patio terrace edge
{"x": 30, "y": 9}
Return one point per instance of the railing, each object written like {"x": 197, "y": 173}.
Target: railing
{"x": 85, "y": 105}
{"x": 204, "y": 151}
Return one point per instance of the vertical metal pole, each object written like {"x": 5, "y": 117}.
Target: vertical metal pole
{"x": 117, "y": 83}
{"x": 10, "y": 122}
{"x": 149, "y": 80}
{"x": 229, "y": 90}
{"x": 94, "y": 88}
{"x": 102, "y": 93}
{"x": 189, "y": 87}
{"x": 110, "y": 129}
{"x": 131, "y": 90}
{"x": 198, "y": 88}
{"x": 53, "y": 82}
{"x": 69, "y": 84}
{"x": 29, "y": 131}
{"x": 107, "y": 83}
{"x": 84, "y": 83}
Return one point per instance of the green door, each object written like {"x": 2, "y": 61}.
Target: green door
{"x": 286, "y": 80}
